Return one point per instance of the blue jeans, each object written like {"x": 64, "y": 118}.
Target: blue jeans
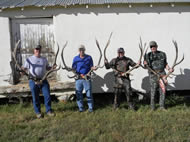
{"x": 80, "y": 85}
{"x": 35, "y": 89}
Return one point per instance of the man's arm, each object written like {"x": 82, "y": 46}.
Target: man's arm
{"x": 111, "y": 64}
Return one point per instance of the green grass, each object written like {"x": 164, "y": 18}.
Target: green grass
{"x": 18, "y": 123}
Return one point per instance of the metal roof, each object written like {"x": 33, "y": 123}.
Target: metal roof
{"x": 38, "y": 3}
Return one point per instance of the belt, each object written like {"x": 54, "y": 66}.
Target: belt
{"x": 158, "y": 71}
{"x": 79, "y": 77}
{"x": 34, "y": 78}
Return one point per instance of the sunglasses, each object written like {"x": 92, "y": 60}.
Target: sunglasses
{"x": 153, "y": 46}
{"x": 37, "y": 48}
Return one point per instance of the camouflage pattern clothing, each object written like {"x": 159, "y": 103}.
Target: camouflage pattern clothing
{"x": 156, "y": 61}
{"x": 121, "y": 65}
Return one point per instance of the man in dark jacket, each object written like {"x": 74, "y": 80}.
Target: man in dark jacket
{"x": 120, "y": 65}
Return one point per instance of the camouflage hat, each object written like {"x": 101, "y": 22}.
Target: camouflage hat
{"x": 120, "y": 50}
{"x": 153, "y": 44}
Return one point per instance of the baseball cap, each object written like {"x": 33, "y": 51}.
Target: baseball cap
{"x": 120, "y": 50}
{"x": 153, "y": 44}
{"x": 38, "y": 47}
{"x": 82, "y": 47}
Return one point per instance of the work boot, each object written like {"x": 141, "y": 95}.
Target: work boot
{"x": 153, "y": 108}
{"x": 50, "y": 113}
{"x": 39, "y": 115}
{"x": 90, "y": 110}
{"x": 131, "y": 107}
{"x": 163, "y": 109}
{"x": 115, "y": 106}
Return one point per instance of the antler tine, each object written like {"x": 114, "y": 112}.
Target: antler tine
{"x": 65, "y": 66}
{"x": 52, "y": 70}
{"x": 72, "y": 76}
{"x": 14, "y": 58}
{"x": 98, "y": 45}
{"x": 54, "y": 63}
{"x": 140, "y": 58}
{"x": 14, "y": 55}
{"x": 175, "y": 61}
{"x": 98, "y": 65}
{"x": 63, "y": 60}
{"x": 176, "y": 48}
{"x": 107, "y": 46}
{"x": 49, "y": 72}
{"x": 180, "y": 61}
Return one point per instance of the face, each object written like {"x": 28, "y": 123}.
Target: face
{"x": 81, "y": 52}
{"x": 121, "y": 54}
{"x": 153, "y": 49}
{"x": 37, "y": 52}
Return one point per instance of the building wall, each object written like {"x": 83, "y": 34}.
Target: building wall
{"x": 5, "y": 53}
{"x": 81, "y": 25}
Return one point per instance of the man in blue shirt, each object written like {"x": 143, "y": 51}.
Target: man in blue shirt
{"x": 83, "y": 63}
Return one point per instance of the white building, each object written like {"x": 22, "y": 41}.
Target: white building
{"x": 81, "y": 21}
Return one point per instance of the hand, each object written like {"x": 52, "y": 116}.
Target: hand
{"x": 171, "y": 70}
{"x": 122, "y": 74}
{"x": 82, "y": 75}
{"x": 105, "y": 61}
{"x": 94, "y": 68}
{"x": 54, "y": 66}
{"x": 138, "y": 64}
{"x": 164, "y": 79}
{"x": 21, "y": 73}
{"x": 145, "y": 62}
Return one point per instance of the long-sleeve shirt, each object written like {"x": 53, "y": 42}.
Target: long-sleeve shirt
{"x": 120, "y": 64}
{"x": 82, "y": 65}
{"x": 157, "y": 61}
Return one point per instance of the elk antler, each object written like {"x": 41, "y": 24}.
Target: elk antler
{"x": 52, "y": 69}
{"x": 141, "y": 55}
{"x": 65, "y": 66}
{"x": 98, "y": 65}
{"x": 15, "y": 59}
{"x": 175, "y": 61}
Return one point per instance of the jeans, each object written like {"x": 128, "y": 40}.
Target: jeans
{"x": 35, "y": 89}
{"x": 80, "y": 85}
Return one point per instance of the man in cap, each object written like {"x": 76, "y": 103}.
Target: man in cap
{"x": 37, "y": 67}
{"x": 121, "y": 64}
{"x": 157, "y": 61}
{"x": 82, "y": 64}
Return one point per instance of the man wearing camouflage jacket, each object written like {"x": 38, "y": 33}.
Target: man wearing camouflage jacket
{"x": 157, "y": 61}
{"x": 121, "y": 64}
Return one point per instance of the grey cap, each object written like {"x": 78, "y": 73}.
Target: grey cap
{"x": 153, "y": 44}
{"x": 38, "y": 46}
{"x": 82, "y": 47}
{"x": 120, "y": 50}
